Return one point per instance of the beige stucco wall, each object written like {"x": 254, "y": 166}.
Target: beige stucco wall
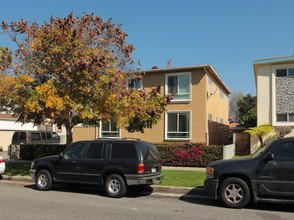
{"x": 198, "y": 107}
{"x": 85, "y": 133}
{"x": 5, "y": 137}
{"x": 264, "y": 85}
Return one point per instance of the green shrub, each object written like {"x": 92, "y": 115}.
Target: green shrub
{"x": 188, "y": 154}
{"x": 31, "y": 152}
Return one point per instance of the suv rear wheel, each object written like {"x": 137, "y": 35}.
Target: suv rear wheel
{"x": 115, "y": 186}
{"x": 234, "y": 193}
{"x": 44, "y": 180}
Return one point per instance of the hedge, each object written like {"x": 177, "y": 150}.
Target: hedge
{"x": 189, "y": 154}
{"x": 172, "y": 154}
{"x": 31, "y": 152}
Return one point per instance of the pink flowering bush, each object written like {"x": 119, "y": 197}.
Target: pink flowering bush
{"x": 189, "y": 154}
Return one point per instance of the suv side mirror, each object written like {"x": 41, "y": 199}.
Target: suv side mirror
{"x": 61, "y": 155}
{"x": 268, "y": 157}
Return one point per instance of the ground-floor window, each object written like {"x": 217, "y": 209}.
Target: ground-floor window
{"x": 178, "y": 125}
{"x": 109, "y": 130}
{"x": 285, "y": 117}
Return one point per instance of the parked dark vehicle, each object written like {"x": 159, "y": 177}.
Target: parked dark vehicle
{"x": 112, "y": 163}
{"x": 35, "y": 137}
{"x": 268, "y": 176}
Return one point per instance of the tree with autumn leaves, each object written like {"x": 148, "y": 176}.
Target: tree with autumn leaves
{"x": 75, "y": 70}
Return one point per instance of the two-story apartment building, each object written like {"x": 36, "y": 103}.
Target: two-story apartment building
{"x": 198, "y": 112}
{"x": 274, "y": 78}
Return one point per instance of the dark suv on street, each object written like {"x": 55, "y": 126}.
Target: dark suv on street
{"x": 114, "y": 164}
{"x": 268, "y": 176}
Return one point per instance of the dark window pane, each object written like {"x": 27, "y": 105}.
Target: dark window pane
{"x": 172, "y": 121}
{"x": 291, "y": 117}
{"x": 281, "y": 117}
{"x": 95, "y": 150}
{"x": 281, "y": 72}
{"x": 291, "y": 72}
{"x": 172, "y": 83}
{"x": 123, "y": 151}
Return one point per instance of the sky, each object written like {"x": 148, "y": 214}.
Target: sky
{"x": 228, "y": 34}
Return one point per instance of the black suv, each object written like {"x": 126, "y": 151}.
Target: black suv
{"x": 113, "y": 164}
{"x": 267, "y": 176}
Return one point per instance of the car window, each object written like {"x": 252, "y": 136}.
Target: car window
{"x": 77, "y": 150}
{"x": 284, "y": 151}
{"x": 96, "y": 150}
{"x": 123, "y": 151}
{"x": 55, "y": 136}
{"x": 149, "y": 152}
{"x": 22, "y": 136}
{"x": 36, "y": 136}
{"x": 43, "y": 135}
{"x": 15, "y": 135}
{"x": 48, "y": 135}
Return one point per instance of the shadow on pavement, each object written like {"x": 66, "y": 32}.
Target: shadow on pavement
{"x": 203, "y": 199}
{"x": 91, "y": 190}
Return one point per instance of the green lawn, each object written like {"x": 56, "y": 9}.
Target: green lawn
{"x": 183, "y": 178}
{"x": 171, "y": 177}
{"x": 17, "y": 169}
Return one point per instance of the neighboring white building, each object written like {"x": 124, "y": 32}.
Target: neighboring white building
{"x": 274, "y": 78}
{"x": 8, "y": 126}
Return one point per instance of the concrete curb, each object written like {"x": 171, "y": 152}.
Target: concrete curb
{"x": 169, "y": 191}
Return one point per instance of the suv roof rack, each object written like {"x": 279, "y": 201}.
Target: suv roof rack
{"x": 131, "y": 138}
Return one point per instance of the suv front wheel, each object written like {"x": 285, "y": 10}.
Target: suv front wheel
{"x": 234, "y": 193}
{"x": 115, "y": 186}
{"x": 43, "y": 180}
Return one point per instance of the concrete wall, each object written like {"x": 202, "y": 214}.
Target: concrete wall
{"x": 228, "y": 151}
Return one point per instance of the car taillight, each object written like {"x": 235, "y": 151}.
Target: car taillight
{"x": 141, "y": 168}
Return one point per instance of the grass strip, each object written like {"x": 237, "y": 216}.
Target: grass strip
{"x": 17, "y": 169}
{"x": 183, "y": 178}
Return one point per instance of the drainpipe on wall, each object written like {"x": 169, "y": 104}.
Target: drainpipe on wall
{"x": 206, "y": 113}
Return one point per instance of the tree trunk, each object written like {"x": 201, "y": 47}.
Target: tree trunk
{"x": 68, "y": 134}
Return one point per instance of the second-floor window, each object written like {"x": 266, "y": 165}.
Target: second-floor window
{"x": 285, "y": 72}
{"x": 135, "y": 84}
{"x": 178, "y": 84}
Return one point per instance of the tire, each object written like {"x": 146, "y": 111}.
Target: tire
{"x": 43, "y": 180}
{"x": 234, "y": 193}
{"x": 115, "y": 186}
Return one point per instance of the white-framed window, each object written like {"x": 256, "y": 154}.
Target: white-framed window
{"x": 132, "y": 83}
{"x": 178, "y": 84}
{"x": 210, "y": 117}
{"x": 216, "y": 119}
{"x": 109, "y": 130}
{"x": 286, "y": 72}
{"x": 178, "y": 125}
{"x": 221, "y": 122}
{"x": 285, "y": 117}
